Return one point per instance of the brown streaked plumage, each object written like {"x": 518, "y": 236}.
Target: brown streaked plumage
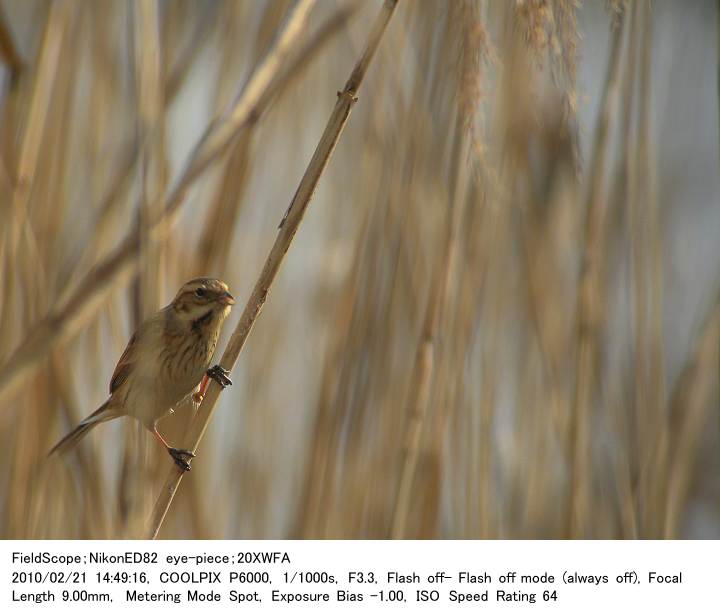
{"x": 164, "y": 362}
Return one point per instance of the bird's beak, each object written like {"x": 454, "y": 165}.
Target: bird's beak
{"x": 227, "y": 299}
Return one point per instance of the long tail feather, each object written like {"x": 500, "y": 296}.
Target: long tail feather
{"x": 66, "y": 443}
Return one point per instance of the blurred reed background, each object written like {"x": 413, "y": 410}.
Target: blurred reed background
{"x": 500, "y": 318}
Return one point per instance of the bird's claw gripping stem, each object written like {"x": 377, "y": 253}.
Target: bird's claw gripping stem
{"x": 218, "y": 374}
{"x": 180, "y": 455}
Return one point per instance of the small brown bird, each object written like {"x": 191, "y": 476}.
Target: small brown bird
{"x": 165, "y": 360}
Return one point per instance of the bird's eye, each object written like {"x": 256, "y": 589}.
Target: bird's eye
{"x": 200, "y": 292}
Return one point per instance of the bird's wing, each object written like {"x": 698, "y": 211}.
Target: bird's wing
{"x": 124, "y": 365}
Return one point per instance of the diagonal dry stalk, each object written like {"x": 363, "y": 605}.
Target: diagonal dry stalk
{"x": 74, "y": 308}
{"x": 288, "y": 227}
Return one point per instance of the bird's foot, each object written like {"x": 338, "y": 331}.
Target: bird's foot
{"x": 218, "y": 374}
{"x": 180, "y": 456}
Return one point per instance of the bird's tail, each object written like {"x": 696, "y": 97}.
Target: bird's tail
{"x": 67, "y": 442}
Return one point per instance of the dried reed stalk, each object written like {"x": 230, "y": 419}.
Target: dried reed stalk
{"x": 439, "y": 300}
{"x": 27, "y": 253}
{"x": 288, "y": 227}
{"x": 629, "y": 177}
{"x": 148, "y": 287}
{"x": 75, "y": 308}
{"x": 151, "y": 131}
{"x": 690, "y": 408}
{"x": 653, "y": 423}
{"x": 8, "y": 52}
{"x": 588, "y": 301}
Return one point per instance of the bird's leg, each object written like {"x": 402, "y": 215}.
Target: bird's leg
{"x": 179, "y": 455}
{"x": 200, "y": 393}
{"x": 218, "y": 374}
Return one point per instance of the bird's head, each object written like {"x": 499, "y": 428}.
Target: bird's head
{"x": 202, "y": 300}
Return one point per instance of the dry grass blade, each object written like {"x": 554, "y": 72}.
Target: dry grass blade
{"x": 288, "y": 227}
